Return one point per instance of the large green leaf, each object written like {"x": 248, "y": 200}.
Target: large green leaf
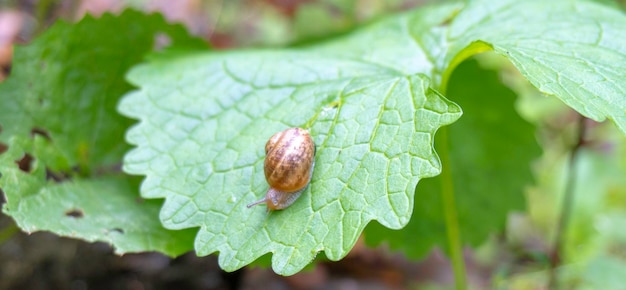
{"x": 58, "y": 106}
{"x": 205, "y": 121}
{"x": 371, "y": 109}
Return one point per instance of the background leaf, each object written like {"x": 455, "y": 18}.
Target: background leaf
{"x": 106, "y": 208}
{"x": 58, "y": 106}
{"x": 573, "y": 50}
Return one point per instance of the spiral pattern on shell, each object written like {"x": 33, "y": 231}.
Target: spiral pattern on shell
{"x": 289, "y": 159}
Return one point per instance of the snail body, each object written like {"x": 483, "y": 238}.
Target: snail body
{"x": 288, "y": 167}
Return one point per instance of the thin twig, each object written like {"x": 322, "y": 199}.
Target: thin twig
{"x": 558, "y": 251}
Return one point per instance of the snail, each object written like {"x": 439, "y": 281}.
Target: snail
{"x": 289, "y": 161}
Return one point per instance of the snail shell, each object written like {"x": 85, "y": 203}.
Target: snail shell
{"x": 288, "y": 167}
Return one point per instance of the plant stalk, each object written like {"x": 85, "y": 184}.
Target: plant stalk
{"x": 450, "y": 213}
{"x": 558, "y": 251}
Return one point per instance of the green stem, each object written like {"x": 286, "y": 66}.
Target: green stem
{"x": 447, "y": 185}
{"x": 558, "y": 250}
{"x": 450, "y": 213}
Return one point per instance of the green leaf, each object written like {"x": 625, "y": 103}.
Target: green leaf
{"x": 69, "y": 80}
{"x": 491, "y": 148}
{"x": 573, "y": 50}
{"x": 204, "y": 122}
{"x": 106, "y": 208}
{"x": 366, "y": 98}
{"x": 58, "y": 106}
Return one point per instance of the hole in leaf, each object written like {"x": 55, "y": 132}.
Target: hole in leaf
{"x": 117, "y": 230}
{"x": 56, "y": 176}
{"x": 3, "y": 148}
{"x": 6, "y": 71}
{"x": 3, "y": 198}
{"x": 25, "y": 163}
{"x": 75, "y": 213}
{"x": 40, "y": 132}
{"x": 76, "y": 169}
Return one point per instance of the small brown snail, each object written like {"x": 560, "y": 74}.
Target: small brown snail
{"x": 289, "y": 160}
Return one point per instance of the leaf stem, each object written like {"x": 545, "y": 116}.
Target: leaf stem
{"x": 449, "y": 209}
{"x": 558, "y": 253}
{"x": 447, "y": 186}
